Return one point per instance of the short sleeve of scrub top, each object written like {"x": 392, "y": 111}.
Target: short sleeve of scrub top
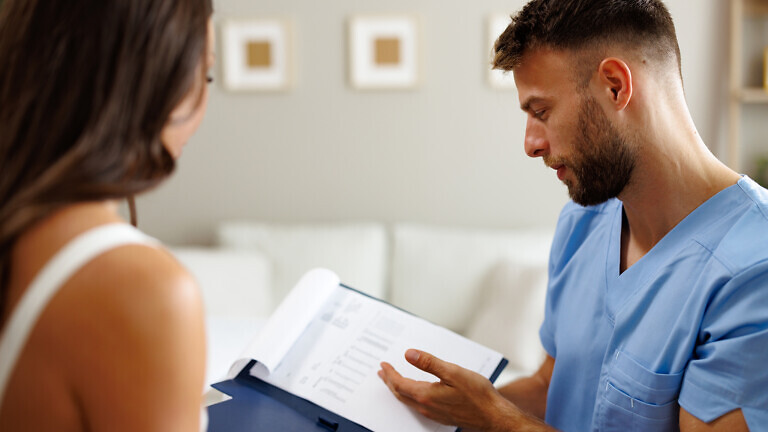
{"x": 728, "y": 368}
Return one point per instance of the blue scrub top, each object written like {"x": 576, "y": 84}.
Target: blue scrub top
{"x": 685, "y": 326}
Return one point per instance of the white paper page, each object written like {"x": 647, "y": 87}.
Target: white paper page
{"x": 289, "y": 321}
{"x": 335, "y": 362}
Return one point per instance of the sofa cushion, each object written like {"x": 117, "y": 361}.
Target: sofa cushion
{"x": 233, "y": 283}
{"x": 355, "y": 252}
{"x": 510, "y": 313}
{"x": 437, "y": 273}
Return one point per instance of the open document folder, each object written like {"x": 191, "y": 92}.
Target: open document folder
{"x": 314, "y": 365}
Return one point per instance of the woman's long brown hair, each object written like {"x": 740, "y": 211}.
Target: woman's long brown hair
{"x": 86, "y": 87}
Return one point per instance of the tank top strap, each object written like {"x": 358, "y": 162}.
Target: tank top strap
{"x": 55, "y": 273}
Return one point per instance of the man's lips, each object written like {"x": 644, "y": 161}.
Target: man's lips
{"x": 560, "y": 171}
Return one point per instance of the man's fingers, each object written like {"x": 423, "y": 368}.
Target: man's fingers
{"x": 426, "y": 398}
{"x": 398, "y": 384}
{"x": 391, "y": 378}
{"x": 429, "y": 363}
{"x": 460, "y": 397}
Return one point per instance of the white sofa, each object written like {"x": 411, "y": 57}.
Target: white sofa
{"x": 486, "y": 284}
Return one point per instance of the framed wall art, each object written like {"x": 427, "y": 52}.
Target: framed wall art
{"x": 383, "y": 52}
{"x": 256, "y": 54}
{"x": 497, "y": 23}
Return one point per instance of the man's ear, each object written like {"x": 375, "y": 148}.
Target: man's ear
{"x": 615, "y": 79}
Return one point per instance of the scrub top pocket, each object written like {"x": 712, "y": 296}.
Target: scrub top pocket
{"x": 635, "y": 399}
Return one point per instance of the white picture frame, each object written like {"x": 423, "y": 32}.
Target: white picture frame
{"x": 498, "y": 79}
{"x": 383, "y": 52}
{"x": 256, "y": 54}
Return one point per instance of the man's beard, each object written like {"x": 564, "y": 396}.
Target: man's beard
{"x": 602, "y": 162}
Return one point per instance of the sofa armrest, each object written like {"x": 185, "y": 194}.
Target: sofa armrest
{"x": 510, "y": 313}
{"x": 438, "y": 273}
{"x": 237, "y": 294}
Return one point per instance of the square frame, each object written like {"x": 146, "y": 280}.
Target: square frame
{"x": 256, "y": 54}
{"x": 498, "y": 79}
{"x": 383, "y": 52}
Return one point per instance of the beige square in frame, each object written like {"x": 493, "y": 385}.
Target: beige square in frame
{"x": 259, "y": 54}
{"x": 765, "y": 69}
{"x": 387, "y": 51}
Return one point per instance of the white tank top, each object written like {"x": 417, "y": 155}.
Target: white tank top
{"x": 56, "y": 272}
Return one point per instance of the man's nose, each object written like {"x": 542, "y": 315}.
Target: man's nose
{"x": 536, "y": 144}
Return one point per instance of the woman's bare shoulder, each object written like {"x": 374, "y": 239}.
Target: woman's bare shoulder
{"x": 140, "y": 276}
{"x": 130, "y": 321}
{"x": 146, "y": 322}
{"x": 137, "y": 294}
{"x": 129, "y": 277}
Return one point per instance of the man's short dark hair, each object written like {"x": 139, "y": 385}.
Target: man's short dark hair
{"x": 573, "y": 25}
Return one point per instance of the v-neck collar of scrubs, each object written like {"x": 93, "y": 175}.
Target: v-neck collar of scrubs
{"x": 621, "y": 286}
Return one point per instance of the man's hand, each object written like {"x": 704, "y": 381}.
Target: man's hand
{"x": 461, "y": 398}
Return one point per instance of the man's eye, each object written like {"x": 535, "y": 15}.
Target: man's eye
{"x": 539, "y": 114}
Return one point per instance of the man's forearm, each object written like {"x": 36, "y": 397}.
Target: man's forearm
{"x": 508, "y": 417}
{"x": 529, "y": 394}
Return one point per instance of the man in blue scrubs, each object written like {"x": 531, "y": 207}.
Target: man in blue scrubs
{"x": 657, "y": 308}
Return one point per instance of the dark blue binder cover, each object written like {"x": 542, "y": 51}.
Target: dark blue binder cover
{"x": 261, "y": 407}
{"x": 257, "y": 406}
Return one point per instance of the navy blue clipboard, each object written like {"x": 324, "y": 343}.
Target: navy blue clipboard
{"x": 257, "y": 406}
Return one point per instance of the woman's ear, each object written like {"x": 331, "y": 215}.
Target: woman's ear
{"x": 615, "y": 78}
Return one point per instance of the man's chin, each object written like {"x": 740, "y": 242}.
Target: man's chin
{"x": 584, "y": 199}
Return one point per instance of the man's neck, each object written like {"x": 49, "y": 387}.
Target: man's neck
{"x": 667, "y": 186}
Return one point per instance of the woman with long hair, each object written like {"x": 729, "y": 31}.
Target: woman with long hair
{"x": 100, "y": 327}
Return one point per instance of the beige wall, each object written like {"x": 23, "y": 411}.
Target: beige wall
{"x": 448, "y": 153}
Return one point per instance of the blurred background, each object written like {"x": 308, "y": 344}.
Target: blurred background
{"x": 448, "y": 152}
